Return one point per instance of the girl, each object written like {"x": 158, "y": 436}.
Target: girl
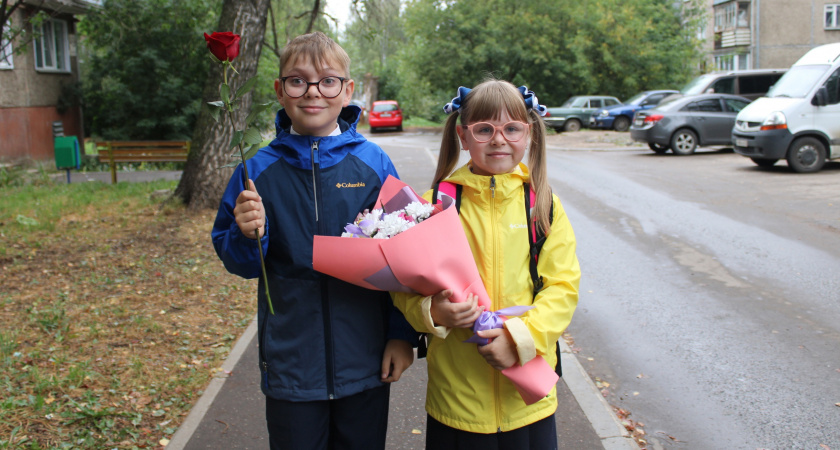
{"x": 469, "y": 402}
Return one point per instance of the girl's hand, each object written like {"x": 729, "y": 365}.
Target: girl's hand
{"x": 500, "y": 353}
{"x": 249, "y": 212}
{"x": 455, "y": 315}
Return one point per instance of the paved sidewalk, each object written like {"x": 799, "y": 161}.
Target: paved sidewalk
{"x": 230, "y": 413}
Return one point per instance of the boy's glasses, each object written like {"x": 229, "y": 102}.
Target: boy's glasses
{"x": 511, "y": 131}
{"x": 329, "y": 87}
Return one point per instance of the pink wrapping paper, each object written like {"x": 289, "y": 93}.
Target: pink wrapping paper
{"x": 432, "y": 256}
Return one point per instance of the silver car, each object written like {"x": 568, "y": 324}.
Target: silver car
{"x": 681, "y": 124}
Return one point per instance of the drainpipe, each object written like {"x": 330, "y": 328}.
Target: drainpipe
{"x": 757, "y": 34}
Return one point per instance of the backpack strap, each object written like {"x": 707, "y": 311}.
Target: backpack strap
{"x": 537, "y": 238}
{"x": 451, "y": 189}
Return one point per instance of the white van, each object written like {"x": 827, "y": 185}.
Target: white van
{"x": 799, "y": 119}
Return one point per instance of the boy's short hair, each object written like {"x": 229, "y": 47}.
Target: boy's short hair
{"x": 320, "y": 48}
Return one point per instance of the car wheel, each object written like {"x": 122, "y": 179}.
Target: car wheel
{"x": 572, "y": 125}
{"x": 621, "y": 123}
{"x": 399, "y": 128}
{"x": 658, "y": 148}
{"x": 806, "y": 155}
{"x": 683, "y": 142}
{"x": 763, "y": 162}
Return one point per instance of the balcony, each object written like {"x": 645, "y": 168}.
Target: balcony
{"x": 734, "y": 37}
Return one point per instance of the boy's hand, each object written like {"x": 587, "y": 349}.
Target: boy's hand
{"x": 398, "y": 356}
{"x": 249, "y": 212}
{"x": 455, "y": 315}
{"x": 500, "y": 353}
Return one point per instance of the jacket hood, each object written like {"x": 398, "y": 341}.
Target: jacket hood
{"x": 296, "y": 149}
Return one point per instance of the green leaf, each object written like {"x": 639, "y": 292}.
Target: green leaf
{"x": 245, "y": 88}
{"x": 233, "y": 164}
{"x": 225, "y": 91}
{"x": 236, "y": 139}
{"x": 256, "y": 110}
{"x": 252, "y": 136}
{"x": 251, "y": 152}
{"x": 215, "y": 109}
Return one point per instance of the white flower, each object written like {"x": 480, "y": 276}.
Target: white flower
{"x": 419, "y": 211}
{"x": 391, "y": 225}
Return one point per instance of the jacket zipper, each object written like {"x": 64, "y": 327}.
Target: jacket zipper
{"x": 315, "y": 163}
{"x": 495, "y": 296}
{"x": 316, "y": 182}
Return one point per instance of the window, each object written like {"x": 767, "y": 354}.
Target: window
{"x": 732, "y": 62}
{"x": 734, "y": 105}
{"x": 725, "y": 16}
{"x": 595, "y": 103}
{"x": 52, "y": 52}
{"x": 831, "y": 20}
{"x": 724, "y": 86}
{"x": 832, "y": 85}
{"x": 711, "y": 105}
{"x": 6, "y": 61}
{"x": 610, "y": 102}
{"x": 756, "y": 84}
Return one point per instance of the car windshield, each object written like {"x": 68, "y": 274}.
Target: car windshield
{"x": 636, "y": 99}
{"x": 798, "y": 81}
{"x": 574, "y": 101}
{"x": 382, "y": 107}
{"x": 696, "y": 85}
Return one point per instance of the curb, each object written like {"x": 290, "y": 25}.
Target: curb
{"x": 185, "y": 431}
{"x": 600, "y": 414}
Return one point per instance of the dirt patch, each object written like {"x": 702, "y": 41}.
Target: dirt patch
{"x": 113, "y": 324}
{"x": 593, "y": 140}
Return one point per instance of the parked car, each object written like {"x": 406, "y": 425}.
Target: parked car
{"x": 799, "y": 120}
{"x": 575, "y": 112}
{"x": 385, "y": 114}
{"x": 619, "y": 117}
{"x": 684, "y": 123}
{"x": 751, "y": 84}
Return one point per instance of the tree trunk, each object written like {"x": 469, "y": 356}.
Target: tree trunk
{"x": 203, "y": 181}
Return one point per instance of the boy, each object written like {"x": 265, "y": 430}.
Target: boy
{"x": 331, "y": 348}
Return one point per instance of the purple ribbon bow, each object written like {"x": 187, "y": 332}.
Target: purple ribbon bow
{"x": 489, "y": 320}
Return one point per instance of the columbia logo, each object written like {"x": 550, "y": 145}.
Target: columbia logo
{"x": 517, "y": 225}
{"x": 349, "y": 185}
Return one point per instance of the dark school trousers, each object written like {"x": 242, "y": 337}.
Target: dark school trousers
{"x": 540, "y": 435}
{"x": 356, "y": 422}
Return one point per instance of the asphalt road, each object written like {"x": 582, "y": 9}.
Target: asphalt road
{"x": 711, "y": 295}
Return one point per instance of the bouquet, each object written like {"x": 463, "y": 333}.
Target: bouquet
{"x": 408, "y": 245}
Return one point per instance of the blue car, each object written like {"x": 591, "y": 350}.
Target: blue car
{"x": 619, "y": 117}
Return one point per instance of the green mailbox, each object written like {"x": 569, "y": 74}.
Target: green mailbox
{"x": 67, "y": 154}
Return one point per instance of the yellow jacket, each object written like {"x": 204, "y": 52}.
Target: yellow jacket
{"x": 465, "y": 392}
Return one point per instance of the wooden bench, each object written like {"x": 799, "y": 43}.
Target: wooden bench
{"x": 113, "y": 152}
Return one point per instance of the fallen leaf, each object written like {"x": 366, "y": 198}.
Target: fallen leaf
{"x": 164, "y": 442}
{"x": 416, "y": 431}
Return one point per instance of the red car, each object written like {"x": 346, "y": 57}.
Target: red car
{"x": 385, "y": 114}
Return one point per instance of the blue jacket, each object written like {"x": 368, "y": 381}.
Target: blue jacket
{"x": 327, "y": 337}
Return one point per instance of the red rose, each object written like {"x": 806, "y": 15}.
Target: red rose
{"x": 224, "y": 45}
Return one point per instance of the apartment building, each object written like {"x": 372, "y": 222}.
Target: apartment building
{"x": 763, "y": 34}
{"x": 34, "y": 83}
